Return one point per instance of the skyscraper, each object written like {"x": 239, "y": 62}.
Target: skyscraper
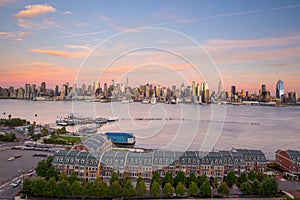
{"x": 233, "y": 90}
{"x": 280, "y": 90}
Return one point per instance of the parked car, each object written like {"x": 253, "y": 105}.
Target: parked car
{"x": 15, "y": 184}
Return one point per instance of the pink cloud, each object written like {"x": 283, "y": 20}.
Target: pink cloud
{"x": 33, "y": 11}
{"x": 60, "y": 53}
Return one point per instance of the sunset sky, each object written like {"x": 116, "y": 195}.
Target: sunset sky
{"x": 246, "y": 43}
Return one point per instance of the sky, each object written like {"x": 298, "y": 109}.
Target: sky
{"x": 242, "y": 43}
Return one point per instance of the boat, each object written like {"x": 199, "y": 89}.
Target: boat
{"x": 153, "y": 100}
{"x": 11, "y": 158}
{"x": 145, "y": 101}
{"x": 121, "y": 139}
{"x": 125, "y": 101}
{"x": 61, "y": 123}
{"x": 70, "y": 122}
{"x": 112, "y": 119}
{"x": 88, "y": 129}
{"x": 100, "y": 120}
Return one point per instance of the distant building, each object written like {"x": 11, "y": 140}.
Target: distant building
{"x": 280, "y": 90}
{"x": 288, "y": 160}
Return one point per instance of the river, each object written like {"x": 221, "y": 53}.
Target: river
{"x": 178, "y": 127}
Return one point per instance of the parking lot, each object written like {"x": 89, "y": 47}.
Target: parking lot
{"x": 12, "y": 169}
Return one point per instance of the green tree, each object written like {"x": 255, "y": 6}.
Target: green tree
{"x": 156, "y": 178}
{"x": 201, "y": 179}
{"x": 242, "y": 178}
{"x": 192, "y": 178}
{"x": 51, "y": 172}
{"x": 256, "y": 187}
{"x": 62, "y": 188}
{"x": 231, "y": 179}
{"x": 270, "y": 186}
{"x": 168, "y": 179}
{"x": 140, "y": 188}
{"x": 155, "y": 189}
{"x": 168, "y": 189}
{"x": 180, "y": 177}
{"x": 62, "y": 176}
{"x": 114, "y": 177}
{"x": 193, "y": 189}
{"x": 101, "y": 187}
{"x": 73, "y": 178}
{"x": 51, "y": 187}
{"x": 128, "y": 189}
{"x": 205, "y": 189}
{"x": 260, "y": 176}
{"x": 39, "y": 187}
{"x": 42, "y": 168}
{"x": 180, "y": 189}
{"x": 251, "y": 175}
{"x": 89, "y": 189}
{"x": 27, "y": 185}
{"x": 223, "y": 189}
{"x": 76, "y": 189}
{"x": 246, "y": 188}
{"x": 115, "y": 189}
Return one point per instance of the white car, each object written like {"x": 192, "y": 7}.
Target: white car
{"x": 15, "y": 184}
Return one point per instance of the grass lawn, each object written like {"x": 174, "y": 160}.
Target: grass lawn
{"x": 72, "y": 139}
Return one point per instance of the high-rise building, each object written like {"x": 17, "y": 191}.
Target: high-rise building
{"x": 27, "y": 91}
{"x": 233, "y": 90}
{"x": 193, "y": 88}
{"x": 220, "y": 87}
{"x": 105, "y": 90}
{"x": 280, "y": 90}
{"x": 263, "y": 88}
{"x": 43, "y": 88}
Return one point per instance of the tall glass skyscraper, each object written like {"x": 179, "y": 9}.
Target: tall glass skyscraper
{"x": 280, "y": 89}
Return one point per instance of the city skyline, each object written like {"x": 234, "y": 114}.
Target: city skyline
{"x": 197, "y": 92}
{"x": 251, "y": 43}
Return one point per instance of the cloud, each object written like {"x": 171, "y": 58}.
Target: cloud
{"x": 38, "y": 63}
{"x": 30, "y": 17}
{"x": 34, "y": 11}
{"x": 111, "y": 23}
{"x": 263, "y": 42}
{"x": 83, "y": 34}
{"x": 11, "y": 35}
{"x": 84, "y": 47}
{"x": 67, "y": 12}
{"x": 38, "y": 72}
{"x": 5, "y": 2}
{"x": 61, "y": 53}
{"x": 247, "y": 12}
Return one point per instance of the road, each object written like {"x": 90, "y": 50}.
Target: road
{"x": 10, "y": 171}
